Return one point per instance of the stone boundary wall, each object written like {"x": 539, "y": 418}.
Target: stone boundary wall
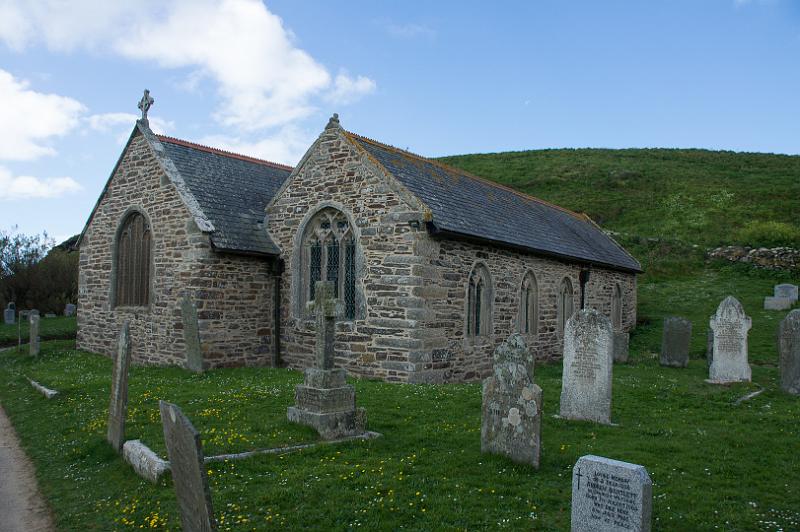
{"x": 782, "y": 258}
{"x": 233, "y": 294}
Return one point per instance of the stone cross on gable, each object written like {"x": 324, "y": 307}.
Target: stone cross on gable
{"x": 324, "y": 308}
{"x": 145, "y": 103}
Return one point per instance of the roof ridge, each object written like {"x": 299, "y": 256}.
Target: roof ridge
{"x": 224, "y": 153}
{"x": 489, "y": 182}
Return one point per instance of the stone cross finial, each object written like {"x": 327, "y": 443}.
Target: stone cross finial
{"x": 333, "y": 122}
{"x": 324, "y": 307}
{"x": 145, "y": 103}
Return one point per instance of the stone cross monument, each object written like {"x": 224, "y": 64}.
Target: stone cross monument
{"x": 145, "y": 104}
{"x": 324, "y": 307}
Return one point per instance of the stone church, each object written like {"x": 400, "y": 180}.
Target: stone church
{"x": 433, "y": 267}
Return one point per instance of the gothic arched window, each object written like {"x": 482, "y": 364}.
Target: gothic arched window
{"x": 329, "y": 254}
{"x": 616, "y": 308}
{"x": 479, "y": 302}
{"x": 565, "y": 304}
{"x": 132, "y": 288}
{"x": 528, "y": 319}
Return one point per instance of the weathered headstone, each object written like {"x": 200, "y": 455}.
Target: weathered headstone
{"x": 34, "y": 334}
{"x": 191, "y": 335}
{"x": 621, "y": 341}
{"x": 189, "y": 477}
{"x": 325, "y": 401}
{"x": 730, "y": 325}
{"x": 777, "y": 303}
{"x": 511, "y": 417}
{"x": 9, "y": 314}
{"x": 786, "y": 290}
{"x": 69, "y": 310}
{"x": 586, "y": 377}
{"x": 118, "y": 405}
{"x": 789, "y": 350}
{"x": 675, "y": 342}
{"x": 610, "y": 495}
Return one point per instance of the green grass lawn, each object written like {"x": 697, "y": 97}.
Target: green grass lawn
{"x": 57, "y": 328}
{"x": 714, "y": 465}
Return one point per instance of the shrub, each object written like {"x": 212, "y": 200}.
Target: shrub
{"x": 769, "y": 234}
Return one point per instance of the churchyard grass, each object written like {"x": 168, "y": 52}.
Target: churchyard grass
{"x": 57, "y": 328}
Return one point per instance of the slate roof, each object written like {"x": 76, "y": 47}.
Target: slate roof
{"x": 232, "y": 191}
{"x": 471, "y": 206}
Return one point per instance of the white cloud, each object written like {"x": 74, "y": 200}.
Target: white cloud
{"x": 25, "y": 187}
{"x": 29, "y": 119}
{"x": 410, "y": 31}
{"x": 287, "y": 146}
{"x": 262, "y": 77}
{"x": 121, "y": 124}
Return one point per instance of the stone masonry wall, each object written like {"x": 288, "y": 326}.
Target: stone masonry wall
{"x": 233, "y": 294}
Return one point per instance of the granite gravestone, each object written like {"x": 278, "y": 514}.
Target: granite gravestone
{"x": 118, "y": 405}
{"x": 586, "y": 376}
{"x": 609, "y": 495}
{"x": 69, "y": 310}
{"x": 325, "y": 401}
{"x": 777, "y": 303}
{"x": 9, "y": 314}
{"x": 730, "y": 325}
{"x": 191, "y": 335}
{"x": 675, "y": 342}
{"x": 789, "y": 349}
{"x": 788, "y": 291}
{"x": 621, "y": 341}
{"x": 511, "y": 417}
{"x": 189, "y": 477}
{"x": 34, "y": 333}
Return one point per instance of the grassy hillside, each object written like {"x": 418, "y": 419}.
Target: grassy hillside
{"x": 697, "y": 196}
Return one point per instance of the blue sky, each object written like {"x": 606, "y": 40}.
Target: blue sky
{"x": 437, "y": 78}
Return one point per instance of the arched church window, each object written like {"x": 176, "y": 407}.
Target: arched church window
{"x": 616, "y": 307}
{"x": 132, "y": 268}
{"x": 329, "y": 254}
{"x": 565, "y": 304}
{"x": 479, "y": 302}
{"x": 528, "y": 319}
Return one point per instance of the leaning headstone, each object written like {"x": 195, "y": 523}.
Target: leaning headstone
{"x": 185, "y": 454}
{"x": 325, "y": 401}
{"x": 777, "y": 303}
{"x": 789, "y": 350}
{"x": 675, "y": 342}
{"x": 610, "y": 495}
{"x": 786, "y": 290}
{"x": 621, "y": 341}
{"x": 511, "y": 417}
{"x": 34, "y": 334}
{"x": 730, "y": 325}
{"x": 9, "y": 314}
{"x": 191, "y": 335}
{"x": 118, "y": 405}
{"x": 586, "y": 377}
{"x": 69, "y": 310}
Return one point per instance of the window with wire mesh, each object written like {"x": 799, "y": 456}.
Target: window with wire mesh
{"x": 132, "y": 286}
{"x": 330, "y": 255}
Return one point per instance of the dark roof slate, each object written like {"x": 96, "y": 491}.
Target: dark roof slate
{"x": 232, "y": 191}
{"x": 471, "y": 206}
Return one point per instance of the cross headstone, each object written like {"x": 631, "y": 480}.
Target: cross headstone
{"x": 789, "y": 350}
{"x": 189, "y": 477}
{"x": 586, "y": 376}
{"x": 191, "y": 335}
{"x": 610, "y": 495}
{"x": 324, "y": 308}
{"x": 9, "y": 314}
{"x": 34, "y": 334}
{"x": 675, "y": 342}
{"x": 730, "y": 325}
{"x": 69, "y": 310}
{"x": 118, "y": 405}
{"x": 511, "y": 417}
{"x": 786, "y": 290}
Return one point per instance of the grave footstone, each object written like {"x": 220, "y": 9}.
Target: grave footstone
{"x": 610, "y": 495}
{"x": 586, "y": 377}
{"x": 789, "y": 349}
{"x": 191, "y": 335}
{"x": 786, "y": 290}
{"x": 118, "y": 405}
{"x": 9, "y": 314}
{"x": 675, "y": 342}
{"x": 325, "y": 401}
{"x": 730, "y": 325}
{"x": 511, "y": 416}
{"x": 777, "y": 303}
{"x": 34, "y": 333}
{"x": 621, "y": 341}
{"x": 69, "y": 310}
{"x": 189, "y": 477}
